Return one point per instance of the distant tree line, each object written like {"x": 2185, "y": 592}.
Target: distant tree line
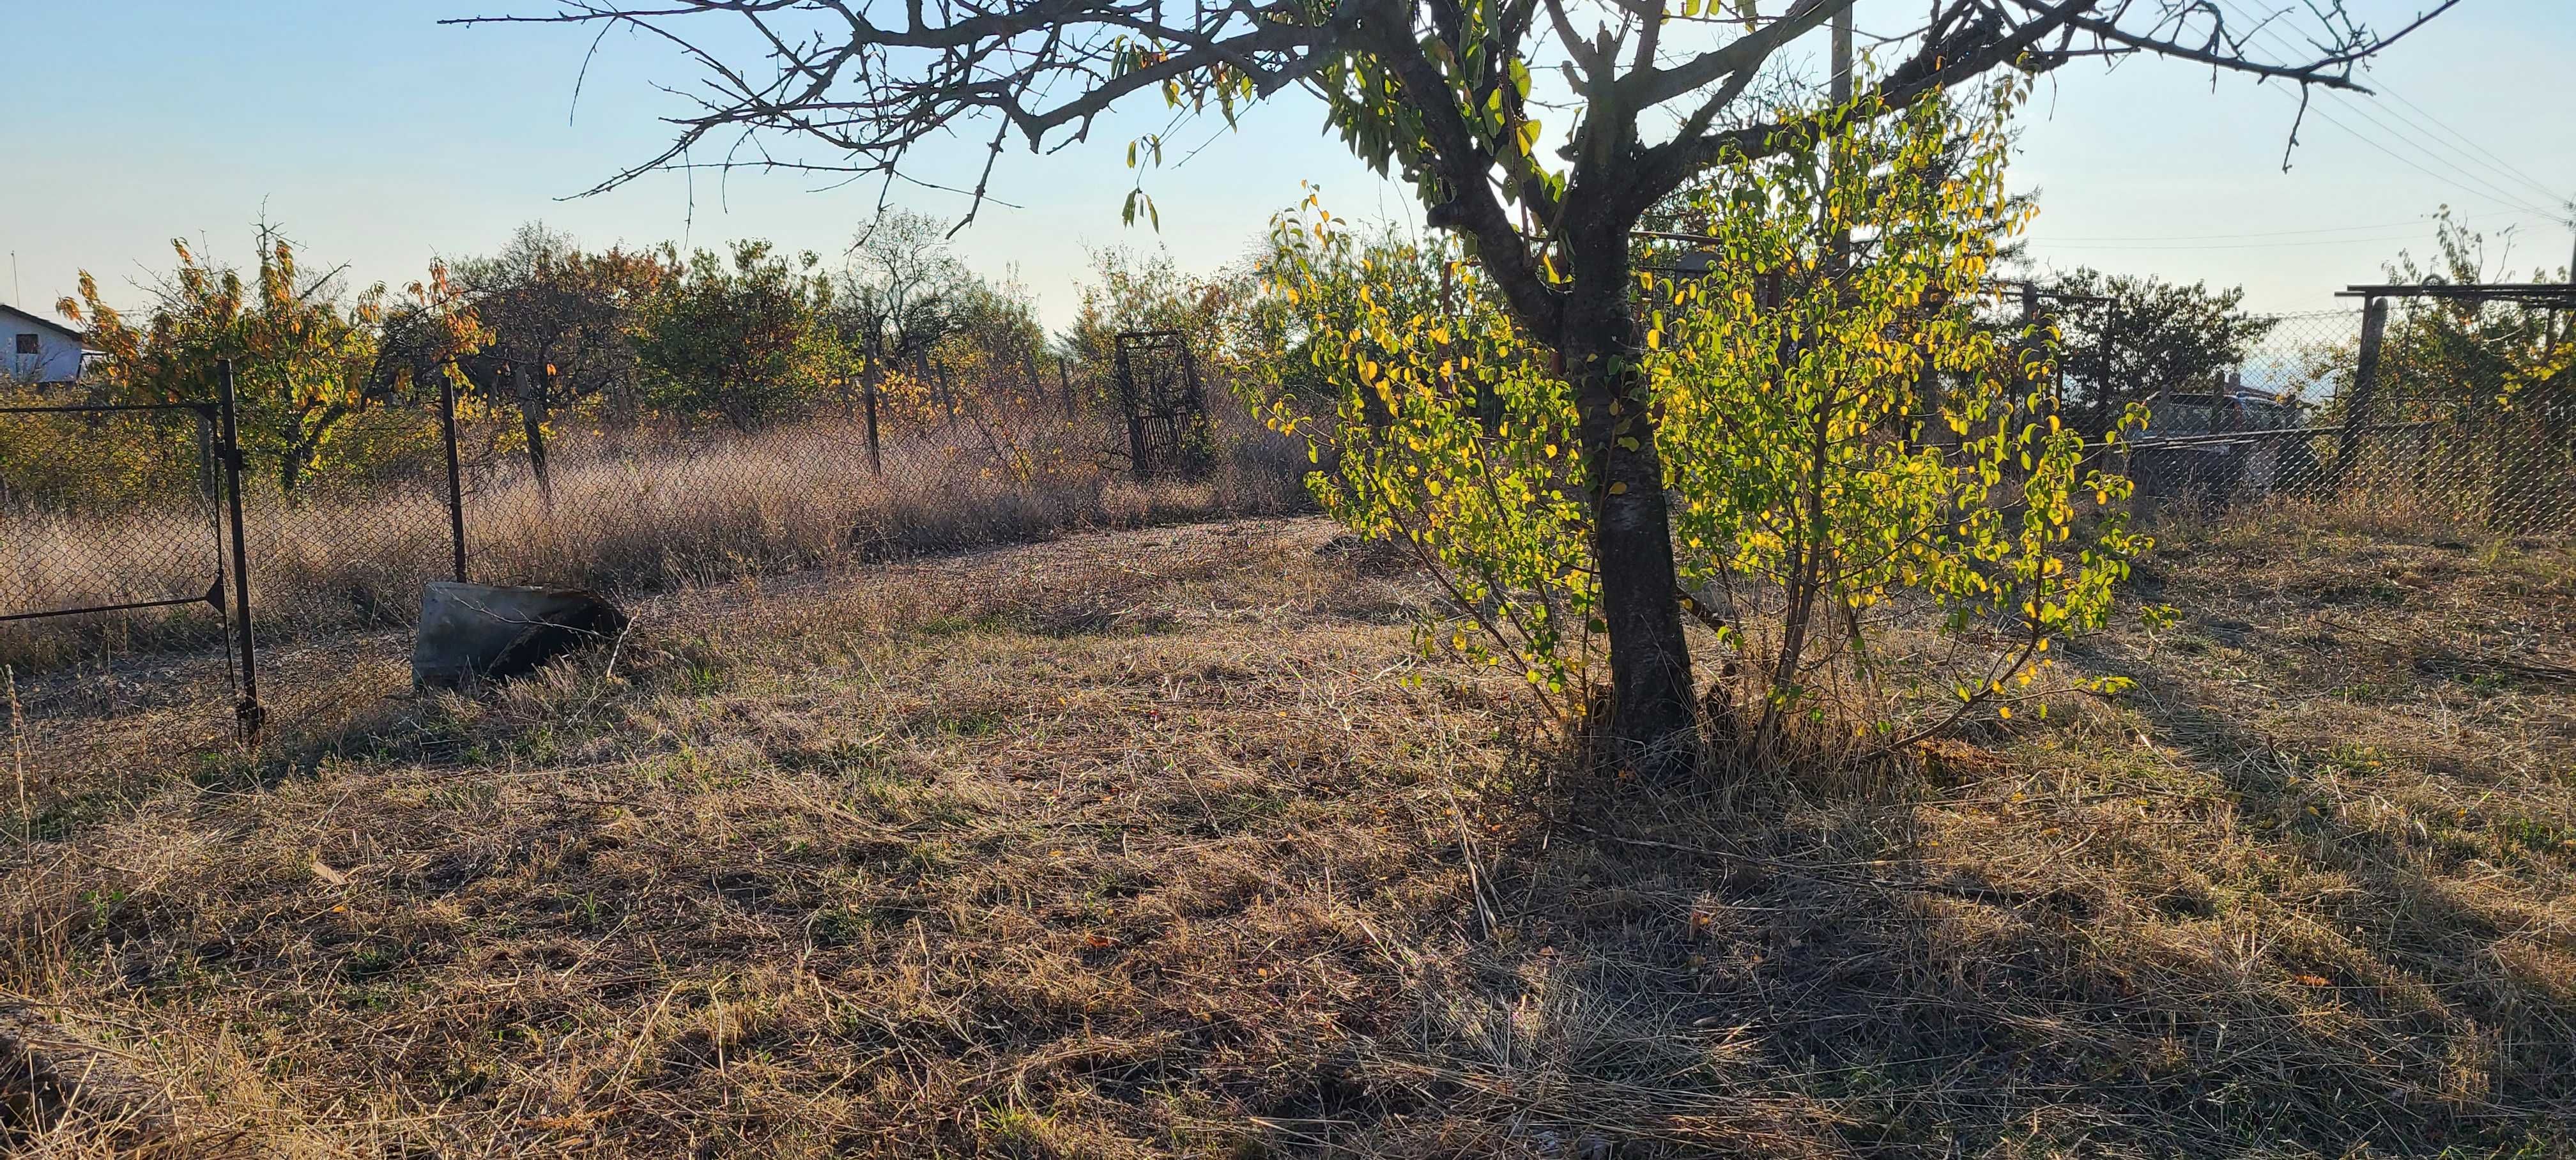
{"x": 546, "y": 335}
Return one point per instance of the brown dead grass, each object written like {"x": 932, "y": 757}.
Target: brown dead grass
{"x": 619, "y": 518}
{"x": 1141, "y": 844}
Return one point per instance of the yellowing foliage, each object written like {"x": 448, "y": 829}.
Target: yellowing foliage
{"x": 1841, "y": 435}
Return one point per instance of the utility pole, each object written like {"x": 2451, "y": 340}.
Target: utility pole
{"x": 1842, "y": 65}
{"x": 2365, "y": 384}
{"x": 1842, "y": 95}
{"x": 2560, "y": 325}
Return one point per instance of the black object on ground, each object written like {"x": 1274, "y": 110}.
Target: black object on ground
{"x": 471, "y": 633}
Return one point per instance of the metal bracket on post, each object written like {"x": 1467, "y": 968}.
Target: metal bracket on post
{"x": 247, "y": 713}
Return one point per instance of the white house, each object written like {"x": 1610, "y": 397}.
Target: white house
{"x": 37, "y": 349}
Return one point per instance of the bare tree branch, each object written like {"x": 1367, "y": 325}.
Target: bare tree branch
{"x": 867, "y": 81}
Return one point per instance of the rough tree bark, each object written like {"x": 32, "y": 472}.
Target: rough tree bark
{"x": 1653, "y": 730}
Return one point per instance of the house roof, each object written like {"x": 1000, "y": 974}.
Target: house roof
{"x": 14, "y": 314}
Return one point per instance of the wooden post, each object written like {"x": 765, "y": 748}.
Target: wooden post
{"x": 2566, "y": 319}
{"x": 1842, "y": 60}
{"x": 2365, "y": 384}
{"x": 1842, "y": 93}
{"x": 2034, "y": 316}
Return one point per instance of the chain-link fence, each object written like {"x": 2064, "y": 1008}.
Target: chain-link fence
{"x": 2413, "y": 423}
{"x": 887, "y": 470}
{"x": 346, "y": 513}
{"x": 118, "y": 517}
{"x": 114, "y": 642}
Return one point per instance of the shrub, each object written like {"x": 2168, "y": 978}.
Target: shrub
{"x": 1843, "y": 444}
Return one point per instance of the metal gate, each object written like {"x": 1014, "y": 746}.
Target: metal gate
{"x": 121, "y": 561}
{"x": 163, "y": 564}
{"x": 1165, "y": 404}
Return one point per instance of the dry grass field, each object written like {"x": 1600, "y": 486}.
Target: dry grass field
{"x": 1140, "y": 844}
{"x": 618, "y": 517}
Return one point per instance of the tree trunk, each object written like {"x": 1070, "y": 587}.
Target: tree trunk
{"x": 296, "y": 462}
{"x": 532, "y": 421}
{"x": 868, "y": 379}
{"x": 1654, "y": 725}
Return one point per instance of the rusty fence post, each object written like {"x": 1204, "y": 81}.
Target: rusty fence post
{"x": 455, "y": 476}
{"x": 247, "y": 713}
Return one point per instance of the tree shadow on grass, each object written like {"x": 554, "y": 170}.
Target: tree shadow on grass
{"x": 1825, "y": 960}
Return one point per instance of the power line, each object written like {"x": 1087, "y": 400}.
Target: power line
{"x": 2517, "y": 182}
{"x": 2486, "y": 190}
{"x": 2227, "y": 245}
{"x": 2496, "y": 197}
{"x": 2367, "y": 113}
{"x": 2287, "y": 233}
{"x": 2501, "y": 164}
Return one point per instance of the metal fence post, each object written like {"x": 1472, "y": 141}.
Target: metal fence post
{"x": 247, "y": 714}
{"x": 2365, "y": 383}
{"x": 455, "y": 476}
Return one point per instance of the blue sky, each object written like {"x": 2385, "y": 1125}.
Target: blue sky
{"x": 380, "y": 139}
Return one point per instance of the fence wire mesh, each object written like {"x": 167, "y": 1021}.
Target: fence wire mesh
{"x": 347, "y": 515}
{"x": 112, "y": 623}
{"x": 912, "y": 469}
{"x": 2434, "y": 431}
{"x": 73, "y": 540}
